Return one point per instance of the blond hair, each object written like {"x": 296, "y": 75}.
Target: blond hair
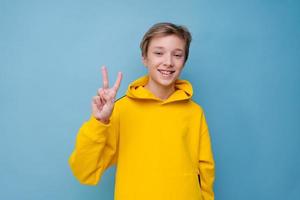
{"x": 165, "y": 29}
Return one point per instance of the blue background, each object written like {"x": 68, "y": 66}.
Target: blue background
{"x": 244, "y": 66}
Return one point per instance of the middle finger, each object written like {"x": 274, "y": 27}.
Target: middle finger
{"x": 105, "y": 77}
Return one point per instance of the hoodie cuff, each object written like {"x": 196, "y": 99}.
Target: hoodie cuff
{"x": 96, "y": 123}
{"x": 96, "y": 130}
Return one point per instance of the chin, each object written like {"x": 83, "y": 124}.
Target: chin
{"x": 166, "y": 83}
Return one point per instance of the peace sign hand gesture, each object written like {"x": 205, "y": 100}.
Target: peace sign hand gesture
{"x": 103, "y": 103}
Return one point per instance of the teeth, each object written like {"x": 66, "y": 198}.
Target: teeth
{"x": 165, "y": 72}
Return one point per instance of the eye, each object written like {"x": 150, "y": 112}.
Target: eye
{"x": 178, "y": 55}
{"x": 158, "y": 53}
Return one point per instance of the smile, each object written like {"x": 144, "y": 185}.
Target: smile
{"x": 166, "y": 72}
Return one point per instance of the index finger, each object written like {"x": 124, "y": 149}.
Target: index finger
{"x": 118, "y": 82}
{"x": 104, "y": 77}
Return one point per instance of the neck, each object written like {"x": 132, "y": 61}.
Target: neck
{"x": 162, "y": 93}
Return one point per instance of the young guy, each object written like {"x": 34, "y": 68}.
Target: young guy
{"x": 156, "y": 134}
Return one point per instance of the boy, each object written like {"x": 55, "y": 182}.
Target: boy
{"x": 156, "y": 134}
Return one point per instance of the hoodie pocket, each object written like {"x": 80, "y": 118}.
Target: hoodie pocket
{"x": 199, "y": 179}
{"x": 191, "y": 186}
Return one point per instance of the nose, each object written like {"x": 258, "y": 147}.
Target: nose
{"x": 168, "y": 61}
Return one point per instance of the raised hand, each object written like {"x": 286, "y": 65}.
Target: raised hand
{"x": 103, "y": 103}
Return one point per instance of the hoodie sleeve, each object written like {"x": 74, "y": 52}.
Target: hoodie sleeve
{"x": 95, "y": 149}
{"x": 206, "y": 162}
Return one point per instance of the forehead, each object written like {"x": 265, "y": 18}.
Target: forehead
{"x": 167, "y": 42}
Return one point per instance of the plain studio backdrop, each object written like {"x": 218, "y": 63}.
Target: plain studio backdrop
{"x": 244, "y": 67}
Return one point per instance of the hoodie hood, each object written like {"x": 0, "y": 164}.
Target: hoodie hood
{"x": 136, "y": 90}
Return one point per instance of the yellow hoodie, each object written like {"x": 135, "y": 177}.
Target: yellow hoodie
{"x": 161, "y": 148}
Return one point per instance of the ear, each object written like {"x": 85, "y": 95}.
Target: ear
{"x": 145, "y": 61}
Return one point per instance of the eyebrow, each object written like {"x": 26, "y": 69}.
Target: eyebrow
{"x": 159, "y": 47}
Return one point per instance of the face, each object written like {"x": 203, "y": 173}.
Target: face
{"x": 165, "y": 60}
